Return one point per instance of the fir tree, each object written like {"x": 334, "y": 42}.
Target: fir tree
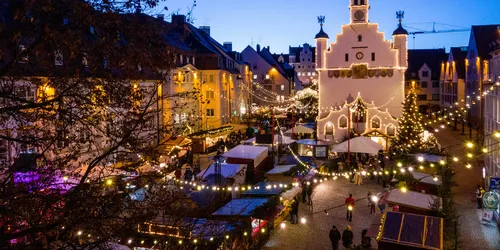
{"x": 409, "y": 138}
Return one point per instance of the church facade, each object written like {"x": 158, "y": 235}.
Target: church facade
{"x": 361, "y": 78}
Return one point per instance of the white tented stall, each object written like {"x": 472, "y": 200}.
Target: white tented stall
{"x": 252, "y": 156}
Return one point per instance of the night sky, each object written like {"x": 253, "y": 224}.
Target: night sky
{"x": 280, "y": 23}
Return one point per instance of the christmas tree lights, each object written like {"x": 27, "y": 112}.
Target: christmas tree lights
{"x": 409, "y": 139}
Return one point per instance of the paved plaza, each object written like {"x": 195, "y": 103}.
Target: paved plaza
{"x": 314, "y": 233}
{"x": 474, "y": 233}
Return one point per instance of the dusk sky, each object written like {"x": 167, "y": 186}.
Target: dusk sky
{"x": 280, "y": 23}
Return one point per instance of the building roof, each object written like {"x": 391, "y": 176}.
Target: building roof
{"x": 426, "y": 178}
{"x": 321, "y": 34}
{"x": 485, "y": 36}
{"x": 459, "y": 54}
{"x": 431, "y": 57}
{"x": 265, "y": 189}
{"x": 400, "y": 30}
{"x": 295, "y": 51}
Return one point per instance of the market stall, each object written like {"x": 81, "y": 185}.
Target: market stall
{"x": 358, "y": 144}
{"x": 233, "y": 173}
{"x": 412, "y": 202}
{"x": 253, "y": 156}
{"x": 278, "y": 140}
{"x": 281, "y": 173}
{"x": 426, "y": 183}
{"x": 317, "y": 148}
{"x": 246, "y": 211}
{"x": 410, "y": 232}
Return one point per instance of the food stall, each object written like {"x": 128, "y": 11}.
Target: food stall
{"x": 246, "y": 210}
{"x": 426, "y": 183}
{"x": 253, "y": 156}
{"x": 278, "y": 140}
{"x": 410, "y": 232}
{"x": 205, "y": 141}
{"x": 281, "y": 173}
{"x": 412, "y": 202}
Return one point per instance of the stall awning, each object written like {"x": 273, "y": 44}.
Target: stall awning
{"x": 241, "y": 207}
{"x": 281, "y": 169}
{"x": 358, "y": 145}
{"x": 412, "y": 199}
{"x": 426, "y": 178}
{"x": 414, "y": 230}
{"x": 255, "y": 153}
{"x": 227, "y": 170}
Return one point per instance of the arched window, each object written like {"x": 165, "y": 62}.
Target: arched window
{"x": 376, "y": 122}
{"x": 329, "y": 129}
{"x": 343, "y": 122}
{"x": 391, "y": 130}
{"x": 329, "y": 132}
{"x": 360, "y": 38}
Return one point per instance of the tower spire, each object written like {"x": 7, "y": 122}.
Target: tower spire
{"x": 321, "y": 34}
{"x": 400, "y": 15}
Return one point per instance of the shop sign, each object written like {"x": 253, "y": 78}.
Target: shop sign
{"x": 490, "y": 200}
{"x": 494, "y": 183}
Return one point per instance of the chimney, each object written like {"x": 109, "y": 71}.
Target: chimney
{"x": 258, "y": 48}
{"x": 160, "y": 17}
{"x": 228, "y": 46}
{"x": 178, "y": 20}
{"x": 205, "y": 29}
{"x": 268, "y": 49}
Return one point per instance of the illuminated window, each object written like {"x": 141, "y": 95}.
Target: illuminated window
{"x": 343, "y": 122}
{"x": 282, "y": 87}
{"x": 267, "y": 76}
{"x": 308, "y": 73}
{"x": 376, "y": 122}
{"x": 255, "y": 77}
{"x": 210, "y": 113}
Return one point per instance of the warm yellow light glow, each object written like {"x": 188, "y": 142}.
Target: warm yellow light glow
{"x": 303, "y": 220}
{"x": 470, "y": 144}
{"x": 400, "y": 164}
{"x": 109, "y": 182}
{"x": 403, "y": 189}
{"x": 349, "y": 208}
{"x": 441, "y": 162}
{"x": 485, "y": 150}
{"x": 468, "y": 165}
{"x": 455, "y": 159}
{"x": 469, "y": 155}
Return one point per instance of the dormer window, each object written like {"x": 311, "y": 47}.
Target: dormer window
{"x": 58, "y": 58}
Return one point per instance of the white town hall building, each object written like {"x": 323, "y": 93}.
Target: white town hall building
{"x": 362, "y": 75}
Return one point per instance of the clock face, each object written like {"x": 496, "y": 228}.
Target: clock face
{"x": 359, "y": 15}
{"x": 359, "y": 55}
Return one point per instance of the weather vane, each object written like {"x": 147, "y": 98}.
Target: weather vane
{"x": 400, "y": 15}
{"x": 321, "y": 20}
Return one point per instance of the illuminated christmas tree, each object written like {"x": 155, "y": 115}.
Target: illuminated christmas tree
{"x": 409, "y": 138}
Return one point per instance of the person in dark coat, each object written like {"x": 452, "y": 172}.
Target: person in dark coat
{"x": 335, "y": 237}
{"x": 295, "y": 211}
{"x": 347, "y": 237}
{"x": 366, "y": 242}
{"x": 188, "y": 175}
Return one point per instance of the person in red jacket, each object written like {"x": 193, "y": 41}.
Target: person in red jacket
{"x": 349, "y": 202}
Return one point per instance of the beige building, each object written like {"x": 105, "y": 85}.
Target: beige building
{"x": 452, "y": 80}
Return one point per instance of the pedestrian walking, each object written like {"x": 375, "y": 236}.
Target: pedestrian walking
{"x": 335, "y": 237}
{"x": 295, "y": 211}
{"x": 382, "y": 201}
{"x": 366, "y": 242}
{"x": 188, "y": 175}
{"x": 368, "y": 196}
{"x": 349, "y": 202}
{"x": 372, "y": 200}
{"x": 479, "y": 196}
{"x": 347, "y": 237}
{"x": 178, "y": 173}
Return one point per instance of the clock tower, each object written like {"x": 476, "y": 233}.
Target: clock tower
{"x": 361, "y": 78}
{"x": 359, "y": 11}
